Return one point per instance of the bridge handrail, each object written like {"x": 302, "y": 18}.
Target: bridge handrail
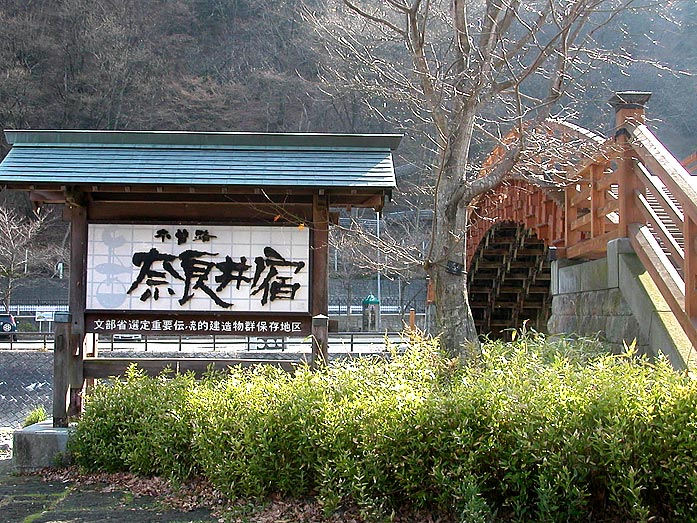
{"x": 655, "y": 159}
{"x": 635, "y": 187}
{"x": 664, "y": 165}
{"x": 628, "y": 185}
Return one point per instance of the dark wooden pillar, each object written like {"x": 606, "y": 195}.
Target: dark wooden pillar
{"x": 78, "y": 280}
{"x": 320, "y": 288}
{"x": 629, "y": 108}
{"x": 61, "y": 364}
{"x": 320, "y": 338}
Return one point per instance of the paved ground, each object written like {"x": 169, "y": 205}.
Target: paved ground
{"x": 30, "y": 499}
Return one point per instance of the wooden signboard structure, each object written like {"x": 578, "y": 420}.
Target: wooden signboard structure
{"x": 193, "y": 233}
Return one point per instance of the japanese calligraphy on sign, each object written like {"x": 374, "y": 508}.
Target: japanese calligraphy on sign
{"x": 198, "y": 268}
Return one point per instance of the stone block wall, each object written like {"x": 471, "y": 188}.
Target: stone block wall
{"x": 615, "y": 298}
{"x": 600, "y": 312}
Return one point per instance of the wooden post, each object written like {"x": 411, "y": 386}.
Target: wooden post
{"x": 690, "y": 267}
{"x": 61, "y": 363}
{"x": 629, "y": 106}
{"x": 320, "y": 340}
{"x": 90, "y": 348}
{"x": 320, "y": 274}
{"x": 597, "y": 201}
{"x": 78, "y": 279}
{"x": 412, "y": 319}
{"x": 571, "y": 236}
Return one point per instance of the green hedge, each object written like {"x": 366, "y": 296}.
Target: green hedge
{"x": 536, "y": 430}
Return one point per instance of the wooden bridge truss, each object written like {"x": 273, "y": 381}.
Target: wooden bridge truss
{"x": 628, "y": 186}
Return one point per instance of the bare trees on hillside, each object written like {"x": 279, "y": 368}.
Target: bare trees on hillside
{"x": 25, "y": 252}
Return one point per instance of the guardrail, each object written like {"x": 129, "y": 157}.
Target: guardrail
{"x": 339, "y": 343}
{"x": 20, "y": 340}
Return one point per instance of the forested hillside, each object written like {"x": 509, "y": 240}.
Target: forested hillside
{"x": 256, "y": 65}
{"x": 159, "y": 64}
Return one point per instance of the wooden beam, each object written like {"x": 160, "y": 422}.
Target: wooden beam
{"x": 661, "y": 231}
{"x": 47, "y": 196}
{"x": 660, "y": 271}
{"x": 591, "y": 248}
{"x": 192, "y": 212}
{"x": 607, "y": 181}
{"x": 660, "y": 162}
{"x": 198, "y": 197}
{"x": 610, "y": 206}
{"x": 376, "y": 201}
{"x": 675, "y": 214}
{"x": 690, "y": 267}
{"x": 582, "y": 223}
{"x": 581, "y": 196}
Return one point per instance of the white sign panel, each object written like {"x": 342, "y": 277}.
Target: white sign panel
{"x": 43, "y": 314}
{"x": 191, "y": 268}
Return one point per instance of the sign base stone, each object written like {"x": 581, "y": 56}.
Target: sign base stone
{"x": 39, "y": 446}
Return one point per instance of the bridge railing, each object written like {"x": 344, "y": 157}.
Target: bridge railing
{"x": 665, "y": 238}
{"x": 592, "y": 207}
{"x": 637, "y": 189}
{"x": 626, "y": 186}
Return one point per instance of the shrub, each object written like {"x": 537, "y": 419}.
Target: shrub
{"x": 536, "y": 430}
{"x": 35, "y": 416}
{"x": 141, "y": 425}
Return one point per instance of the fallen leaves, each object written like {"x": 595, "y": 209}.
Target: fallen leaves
{"x": 199, "y": 493}
{"x": 187, "y": 496}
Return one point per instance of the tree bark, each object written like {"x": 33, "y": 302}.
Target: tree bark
{"x": 446, "y": 266}
{"x": 458, "y": 333}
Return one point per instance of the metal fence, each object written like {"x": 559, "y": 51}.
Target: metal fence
{"x": 26, "y": 382}
{"x": 395, "y": 296}
{"x": 338, "y": 342}
{"x": 26, "y": 365}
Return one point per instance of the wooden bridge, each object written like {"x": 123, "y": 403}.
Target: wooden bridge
{"x": 625, "y": 186}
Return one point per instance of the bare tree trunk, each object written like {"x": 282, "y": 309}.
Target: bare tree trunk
{"x": 7, "y": 295}
{"x": 454, "y": 320}
{"x": 458, "y": 333}
{"x": 505, "y": 64}
{"x": 446, "y": 262}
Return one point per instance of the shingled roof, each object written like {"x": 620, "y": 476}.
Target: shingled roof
{"x": 50, "y": 159}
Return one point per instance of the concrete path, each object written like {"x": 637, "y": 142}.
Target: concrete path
{"x": 30, "y": 499}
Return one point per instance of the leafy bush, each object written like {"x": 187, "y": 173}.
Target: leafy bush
{"x": 536, "y": 430}
{"x": 141, "y": 425}
{"x": 35, "y": 416}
